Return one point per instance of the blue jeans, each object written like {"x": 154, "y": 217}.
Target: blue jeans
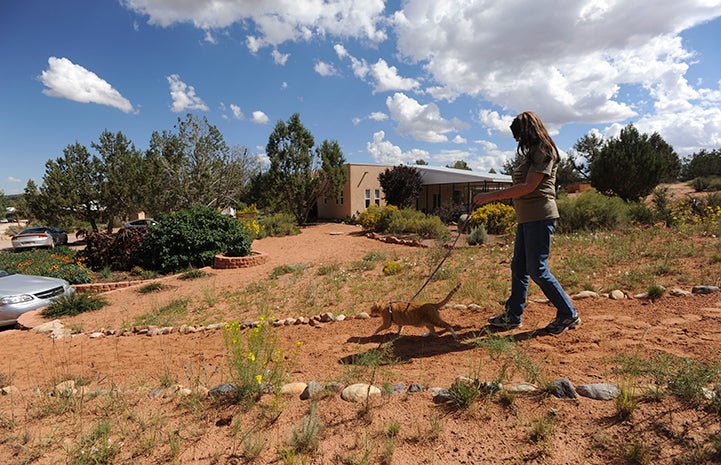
{"x": 530, "y": 259}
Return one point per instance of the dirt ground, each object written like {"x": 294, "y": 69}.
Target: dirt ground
{"x": 586, "y": 431}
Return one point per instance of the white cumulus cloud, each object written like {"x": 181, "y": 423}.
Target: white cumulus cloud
{"x": 259, "y": 117}
{"x": 422, "y": 122}
{"x": 65, "y": 79}
{"x": 385, "y": 153}
{"x": 183, "y": 95}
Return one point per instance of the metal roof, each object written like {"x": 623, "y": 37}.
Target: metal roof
{"x": 444, "y": 175}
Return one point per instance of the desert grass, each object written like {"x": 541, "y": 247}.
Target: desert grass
{"x": 70, "y": 427}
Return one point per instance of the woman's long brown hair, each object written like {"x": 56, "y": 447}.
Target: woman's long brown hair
{"x": 529, "y": 129}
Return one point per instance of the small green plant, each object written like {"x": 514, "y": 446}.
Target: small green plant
{"x": 392, "y": 429}
{"x": 74, "y": 304}
{"x": 253, "y": 444}
{"x": 639, "y": 453}
{"x": 655, "y": 292}
{"x": 151, "y": 287}
{"x": 305, "y": 440}
{"x": 392, "y": 268}
{"x": 542, "y": 428}
{"x": 329, "y": 269}
{"x": 193, "y": 274}
{"x": 281, "y": 270}
{"x": 96, "y": 448}
{"x": 170, "y": 314}
{"x": 374, "y": 257}
{"x": 477, "y": 236}
{"x": 463, "y": 394}
{"x": 626, "y": 401}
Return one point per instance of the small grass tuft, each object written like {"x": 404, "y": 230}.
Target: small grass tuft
{"x": 74, "y": 304}
{"x": 151, "y": 287}
{"x": 193, "y": 274}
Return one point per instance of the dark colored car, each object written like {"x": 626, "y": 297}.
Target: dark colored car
{"x": 40, "y": 236}
{"x": 20, "y": 293}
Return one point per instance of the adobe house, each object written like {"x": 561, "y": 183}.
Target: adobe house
{"x": 441, "y": 186}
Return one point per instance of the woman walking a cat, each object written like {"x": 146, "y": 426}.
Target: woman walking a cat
{"x": 534, "y": 198}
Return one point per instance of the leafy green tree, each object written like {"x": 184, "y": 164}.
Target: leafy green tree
{"x": 629, "y": 166}
{"x": 585, "y": 150}
{"x": 421, "y": 162}
{"x": 509, "y": 166}
{"x": 703, "y": 163}
{"x": 401, "y": 185}
{"x": 460, "y": 165}
{"x": 195, "y": 167}
{"x": 72, "y": 187}
{"x": 670, "y": 159}
{"x": 3, "y": 203}
{"x": 123, "y": 179}
{"x": 566, "y": 173}
{"x": 299, "y": 173}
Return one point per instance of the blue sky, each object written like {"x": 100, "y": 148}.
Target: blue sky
{"x": 391, "y": 81}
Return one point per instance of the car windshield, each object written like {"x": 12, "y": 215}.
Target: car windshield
{"x": 4, "y": 273}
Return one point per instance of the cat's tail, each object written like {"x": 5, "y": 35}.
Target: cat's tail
{"x": 450, "y": 294}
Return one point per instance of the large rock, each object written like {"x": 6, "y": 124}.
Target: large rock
{"x": 359, "y": 392}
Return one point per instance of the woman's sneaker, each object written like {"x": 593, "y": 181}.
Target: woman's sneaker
{"x": 504, "y": 321}
{"x": 558, "y": 326}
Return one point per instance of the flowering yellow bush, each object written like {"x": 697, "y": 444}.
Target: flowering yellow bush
{"x": 497, "y": 218}
{"x": 256, "y": 363}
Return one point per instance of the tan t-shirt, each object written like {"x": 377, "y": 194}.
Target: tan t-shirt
{"x": 541, "y": 203}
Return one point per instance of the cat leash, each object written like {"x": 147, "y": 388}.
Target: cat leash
{"x": 450, "y": 249}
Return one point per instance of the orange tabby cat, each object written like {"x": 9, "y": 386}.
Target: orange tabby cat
{"x": 414, "y": 314}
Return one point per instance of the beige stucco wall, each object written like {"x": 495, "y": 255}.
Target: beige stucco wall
{"x": 353, "y": 200}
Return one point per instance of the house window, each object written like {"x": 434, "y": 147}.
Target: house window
{"x": 339, "y": 199}
{"x": 436, "y": 201}
{"x": 368, "y": 198}
{"x": 456, "y": 197}
{"x": 377, "y": 198}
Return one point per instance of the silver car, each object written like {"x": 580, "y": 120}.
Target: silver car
{"x": 39, "y": 236}
{"x": 20, "y": 293}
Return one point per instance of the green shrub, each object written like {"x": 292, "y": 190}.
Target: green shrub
{"x": 640, "y": 213}
{"x": 60, "y": 262}
{"x": 369, "y": 218}
{"x": 707, "y": 184}
{"x": 497, "y": 218}
{"x": 74, "y": 304}
{"x": 390, "y": 220}
{"x": 277, "y": 225}
{"x": 591, "y": 211}
{"x": 192, "y": 238}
